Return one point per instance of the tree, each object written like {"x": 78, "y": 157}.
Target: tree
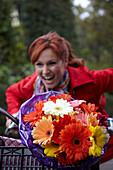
{"x": 96, "y": 43}
{"x": 6, "y": 32}
{"x": 11, "y": 38}
{"x": 40, "y": 17}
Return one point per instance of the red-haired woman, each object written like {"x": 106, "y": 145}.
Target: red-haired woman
{"x": 58, "y": 69}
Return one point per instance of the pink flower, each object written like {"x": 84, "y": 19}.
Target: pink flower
{"x": 82, "y": 117}
{"x": 76, "y": 103}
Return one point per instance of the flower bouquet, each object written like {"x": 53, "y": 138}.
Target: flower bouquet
{"x": 63, "y": 132}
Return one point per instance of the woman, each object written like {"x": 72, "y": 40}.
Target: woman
{"x": 58, "y": 69}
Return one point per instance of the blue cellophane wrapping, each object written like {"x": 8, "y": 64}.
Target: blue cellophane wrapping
{"x": 36, "y": 150}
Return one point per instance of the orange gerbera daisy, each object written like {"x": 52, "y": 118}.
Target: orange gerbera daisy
{"x": 43, "y": 131}
{"x": 89, "y": 108}
{"x": 74, "y": 140}
{"x": 35, "y": 115}
{"x": 65, "y": 97}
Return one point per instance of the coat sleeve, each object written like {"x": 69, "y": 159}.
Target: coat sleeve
{"x": 103, "y": 80}
{"x": 17, "y": 93}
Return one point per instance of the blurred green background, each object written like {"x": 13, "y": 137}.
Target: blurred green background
{"x": 89, "y": 30}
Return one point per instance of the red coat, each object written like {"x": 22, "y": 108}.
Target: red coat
{"x": 84, "y": 84}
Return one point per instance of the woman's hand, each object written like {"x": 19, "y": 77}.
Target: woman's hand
{"x": 11, "y": 127}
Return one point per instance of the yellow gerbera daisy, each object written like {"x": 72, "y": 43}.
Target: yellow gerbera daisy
{"x": 98, "y": 141}
{"x": 51, "y": 149}
{"x": 43, "y": 131}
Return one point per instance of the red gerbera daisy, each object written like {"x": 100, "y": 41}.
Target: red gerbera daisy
{"x": 63, "y": 160}
{"x": 53, "y": 98}
{"x": 74, "y": 140}
{"x": 58, "y": 126}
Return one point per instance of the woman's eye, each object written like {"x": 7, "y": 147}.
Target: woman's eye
{"x": 39, "y": 64}
{"x": 52, "y": 63}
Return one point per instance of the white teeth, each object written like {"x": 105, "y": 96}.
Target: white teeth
{"x": 47, "y": 78}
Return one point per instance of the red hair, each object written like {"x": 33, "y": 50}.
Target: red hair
{"x": 58, "y": 44}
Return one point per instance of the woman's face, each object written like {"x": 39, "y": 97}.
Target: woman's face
{"x": 50, "y": 68}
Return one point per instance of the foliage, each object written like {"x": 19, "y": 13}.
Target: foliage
{"x": 9, "y": 76}
{"x": 11, "y": 38}
{"x": 40, "y": 17}
{"x": 96, "y": 35}
{"x": 5, "y": 30}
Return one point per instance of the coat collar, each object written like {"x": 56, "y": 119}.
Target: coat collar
{"x": 79, "y": 76}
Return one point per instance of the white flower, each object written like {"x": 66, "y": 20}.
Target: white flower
{"x": 60, "y": 108}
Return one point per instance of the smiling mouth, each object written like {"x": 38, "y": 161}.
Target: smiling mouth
{"x": 48, "y": 78}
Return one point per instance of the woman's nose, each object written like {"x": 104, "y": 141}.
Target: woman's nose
{"x": 45, "y": 69}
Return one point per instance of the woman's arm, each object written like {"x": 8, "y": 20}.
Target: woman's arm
{"x": 17, "y": 93}
{"x": 104, "y": 80}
